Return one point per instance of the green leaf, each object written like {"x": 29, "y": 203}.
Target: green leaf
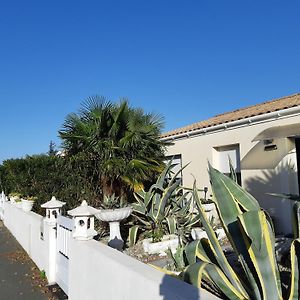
{"x": 161, "y": 201}
{"x": 232, "y": 171}
{"x": 133, "y": 234}
{"x": 191, "y": 251}
{"x": 219, "y": 255}
{"x": 196, "y": 273}
{"x": 172, "y": 224}
{"x": 139, "y": 208}
{"x": 222, "y": 183}
{"x": 296, "y": 220}
{"x": 232, "y": 204}
{"x": 259, "y": 240}
{"x": 295, "y": 272}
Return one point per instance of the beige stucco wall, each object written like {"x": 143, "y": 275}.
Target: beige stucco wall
{"x": 280, "y": 178}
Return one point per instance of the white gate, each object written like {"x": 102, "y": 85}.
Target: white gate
{"x": 64, "y": 234}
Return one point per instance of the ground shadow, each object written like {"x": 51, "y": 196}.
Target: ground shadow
{"x": 174, "y": 289}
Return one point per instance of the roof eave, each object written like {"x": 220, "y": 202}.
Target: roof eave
{"x": 246, "y": 121}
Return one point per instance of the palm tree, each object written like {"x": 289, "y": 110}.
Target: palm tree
{"x": 121, "y": 143}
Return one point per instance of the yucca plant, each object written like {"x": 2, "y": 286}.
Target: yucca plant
{"x": 251, "y": 235}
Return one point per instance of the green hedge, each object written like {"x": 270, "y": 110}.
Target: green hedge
{"x": 44, "y": 176}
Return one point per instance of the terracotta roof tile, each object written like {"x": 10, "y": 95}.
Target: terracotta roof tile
{"x": 239, "y": 114}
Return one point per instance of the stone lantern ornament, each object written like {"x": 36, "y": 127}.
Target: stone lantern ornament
{"x": 83, "y": 216}
{"x": 53, "y": 210}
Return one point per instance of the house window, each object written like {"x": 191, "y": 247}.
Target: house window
{"x": 177, "y": 161}
{"x": 221, "y": 158}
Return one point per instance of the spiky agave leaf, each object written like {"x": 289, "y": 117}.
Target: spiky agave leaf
{"x": 237, "y": 210}
{"x": 205, "y": 271}
{"x": 231, "y": 201}
{"x": 295, "y": 270}
{"x": 133, "y": 234}
{"x": 259, "y": 241}
{"x": 161, "y": 199}
{"x": 296, "y": 220}
{"x": 217, "y": 249}
{"x": 172, "y": 224}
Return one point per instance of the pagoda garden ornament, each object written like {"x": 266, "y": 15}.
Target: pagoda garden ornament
{"x": 83, "y": 216}
{"x": 53, "y": 210}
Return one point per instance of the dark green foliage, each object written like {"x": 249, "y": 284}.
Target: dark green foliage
{"x": 156, "y": 234}
{"x": 52, "y": 149}
{"x": 120, "y": 144}
{"x": 43, "y": 176}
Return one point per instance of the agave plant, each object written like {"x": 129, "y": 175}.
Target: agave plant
{"x": 181, "y": 215}
{"x": 152, "y": 206}
{"x": 164, "y": 208}
{"x": 251, "y": 235}
{"x": 113, "y": 202}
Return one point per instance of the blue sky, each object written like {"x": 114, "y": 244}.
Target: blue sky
{"x": 187, "y": 60}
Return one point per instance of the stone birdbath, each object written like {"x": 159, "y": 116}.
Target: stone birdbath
{"x": 114, "y": 217}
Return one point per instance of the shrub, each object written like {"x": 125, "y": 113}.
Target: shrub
{"x": 250, "y": 232}
{"x": 43, "y": 176}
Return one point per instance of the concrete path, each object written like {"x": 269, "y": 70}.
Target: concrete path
{"x": 16, "y": 270}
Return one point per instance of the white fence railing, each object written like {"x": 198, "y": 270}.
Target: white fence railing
{"x": 64, "y": 234}
{"x": 88, "y": 269}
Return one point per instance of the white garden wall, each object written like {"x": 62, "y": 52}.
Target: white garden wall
{"x": 105, "y": 273}
{"x": 96, "y": 271}
{"x": 26, "y": 228}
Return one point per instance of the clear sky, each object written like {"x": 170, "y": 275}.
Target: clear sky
{"x": 187, "y": 60}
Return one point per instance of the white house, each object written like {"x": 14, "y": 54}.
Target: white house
{"x": 263, "y": 142}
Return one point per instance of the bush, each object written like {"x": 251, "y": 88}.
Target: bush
{"x": 42, "y": 176}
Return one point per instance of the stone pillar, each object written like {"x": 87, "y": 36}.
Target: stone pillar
{"x": 53, "y": 210}
{"x": 50, "y": 243}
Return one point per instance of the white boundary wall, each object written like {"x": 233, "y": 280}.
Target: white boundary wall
{"x": 105, "y": 273}
{"x": 26, "y": 227}
{"x": 96, "y": 270}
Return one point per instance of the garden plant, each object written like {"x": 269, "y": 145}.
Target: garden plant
{"x": 120, "y": 144}
{"x": 250, "y": 232}
{"x": 164, "y": 209}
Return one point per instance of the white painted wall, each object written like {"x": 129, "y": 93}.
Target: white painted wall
{"x": 96, "y": 271}
{"x": 26, "y": 228}
{"x": 105, "y": 273}
{"x": 280, "y": 178}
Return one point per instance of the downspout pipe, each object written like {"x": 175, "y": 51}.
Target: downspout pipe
{"x": 247, "y": 121}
